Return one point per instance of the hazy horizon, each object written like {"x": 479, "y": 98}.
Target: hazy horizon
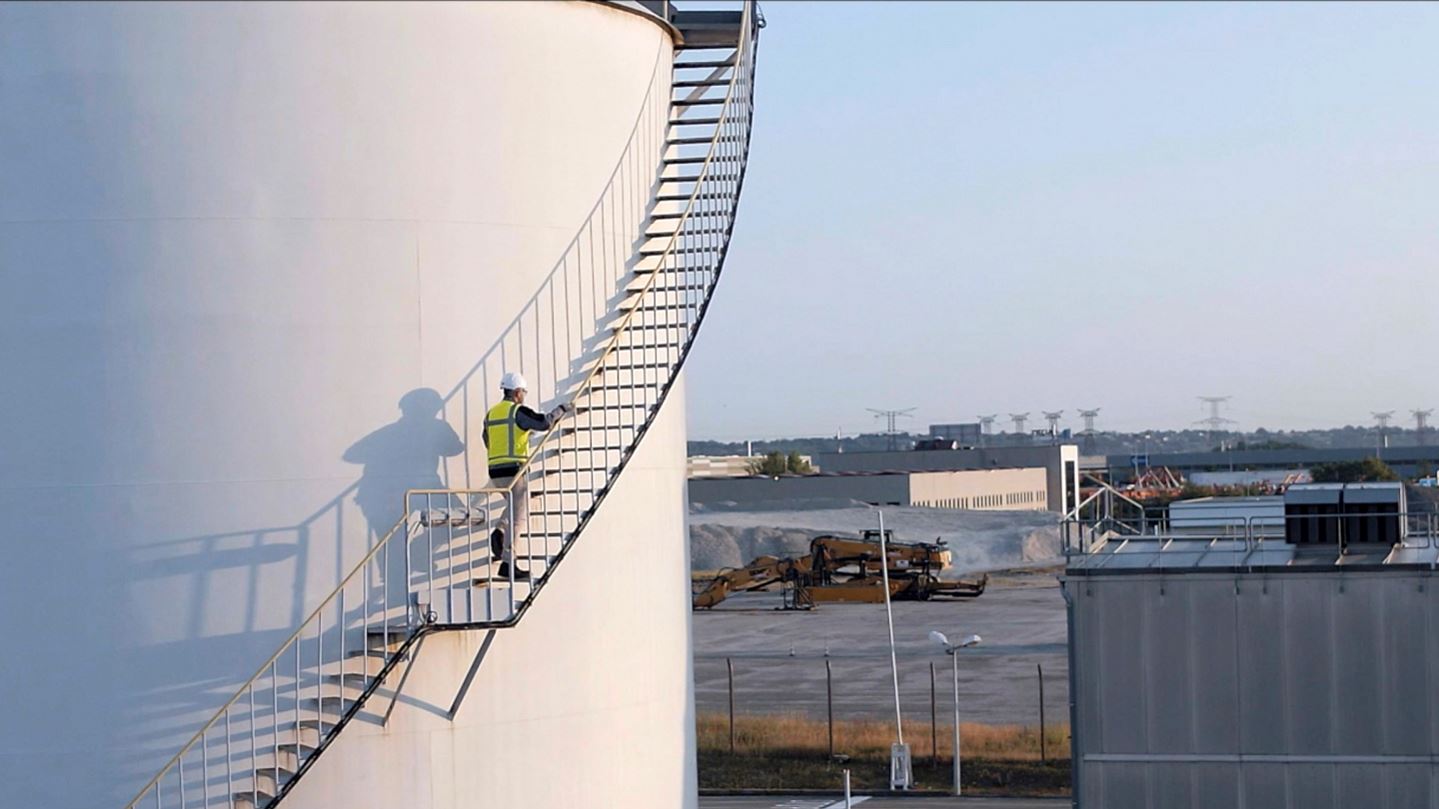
{"x": 995, "y": 208}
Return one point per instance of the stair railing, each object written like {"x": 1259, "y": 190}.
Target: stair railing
{"x": 661, "y": 309}
{"x": 255, "y": 747}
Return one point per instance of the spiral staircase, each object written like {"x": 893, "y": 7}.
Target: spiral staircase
{"x": 434, "y": 570}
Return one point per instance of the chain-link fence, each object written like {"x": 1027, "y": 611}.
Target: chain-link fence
{"x": 782, "y": 721}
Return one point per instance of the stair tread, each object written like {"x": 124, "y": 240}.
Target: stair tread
{"x": 390, "y": 629}
{"x": 708, "y": 120}
{"x": 704, "y": 63}
{"x": 682, "y": 233}
{"x": 715, "y": 82}
{"x": 658, "y": 252}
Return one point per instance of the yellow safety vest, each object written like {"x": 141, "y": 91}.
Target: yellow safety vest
{"x": 508, "y": 444}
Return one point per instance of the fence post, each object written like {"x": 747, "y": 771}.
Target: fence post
{"x": 829, "y": 702}
{"x": 1043, "y": 758}
{"x": 933, "y": 723}
{"x": 729, "y": 667}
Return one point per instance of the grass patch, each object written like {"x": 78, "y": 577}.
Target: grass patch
{"x": 783, "y": 751}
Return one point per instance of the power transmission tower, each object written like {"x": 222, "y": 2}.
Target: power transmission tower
{"x": 1053, "y": 417}
{"x": 891, "y": 416}
{"x": 1215, "y": 422}
{"x": 986, "y": 427}
{"x": 1382, "y": 418}
{"x": 1089, "y": 416}
{"x": 1421, "y": 426}
{"x": 1019, "y": 419}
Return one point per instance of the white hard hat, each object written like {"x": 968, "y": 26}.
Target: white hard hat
{"x": 513, "y": 381}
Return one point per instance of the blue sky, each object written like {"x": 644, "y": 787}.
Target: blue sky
{"x": 990, "y": 208}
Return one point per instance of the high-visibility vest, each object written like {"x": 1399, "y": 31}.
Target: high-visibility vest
{"x": 508, "y": 444}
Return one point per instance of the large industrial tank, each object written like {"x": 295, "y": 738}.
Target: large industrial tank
{"x": 236, "y": 240}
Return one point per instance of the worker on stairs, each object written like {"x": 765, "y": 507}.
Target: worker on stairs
{"x": 507, "y": 439}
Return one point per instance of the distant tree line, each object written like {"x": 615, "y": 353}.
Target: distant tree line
{"x": 1365, "y": 471}
{"x": 774, "y": 464}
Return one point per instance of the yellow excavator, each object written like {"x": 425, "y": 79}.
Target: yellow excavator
{"x": 846, "y": 569}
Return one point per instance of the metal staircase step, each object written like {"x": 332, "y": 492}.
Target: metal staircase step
{"x": 674, "y": 161}
{"x": 292, "y": 755}
{"x": 715, "y": 82}
{"x": 391, "y": 636}
{"x": 683, "y": 233}
{"x": 267, "y": 783}
{"x": 373, "y": 660}
{"x": 711, "y": 63}
{"x": 669, "y": 287}
{"x": 667, "y": 307}
{"x": 678, "y": 179}
{"x": 354, "y": 680}
{"x": 331, "y": 704}
{"x": 451, "y": 516}
{"x": 621, "y": 387}
{"x": 251, "y": 800}
{"x": 708, "y": 120}
{"x": 695, "y": 140}
{"x": 620, "y": 406}
{"x": 697, "y": 102}
{"x": 655, "y": 251}
{"x": 309, "y": 732}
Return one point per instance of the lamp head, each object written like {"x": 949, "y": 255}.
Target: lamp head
{"x": 938, "y": 639}
{"x": 972, "y": 640}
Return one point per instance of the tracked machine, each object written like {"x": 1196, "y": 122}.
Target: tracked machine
{"x": 846, "y": 569}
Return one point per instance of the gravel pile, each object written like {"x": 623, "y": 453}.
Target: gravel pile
{"x": 722, "y": 535}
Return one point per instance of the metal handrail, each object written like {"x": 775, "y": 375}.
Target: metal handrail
{"x": 668, "y": 252}
{"x": 704, "y": 185}
{"x": 264, "y": 667}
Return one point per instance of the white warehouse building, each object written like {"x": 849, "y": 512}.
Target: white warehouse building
{"x": 263, "y": 267}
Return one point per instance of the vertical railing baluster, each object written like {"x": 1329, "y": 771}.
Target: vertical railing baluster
{"x": 229, "y": 762}
{"x": 320, "y": 667}
{"x": 344, "y": 625}
{"x": 254, "y": 767}
{"x": 205, "y": 769}
{"x": 297, "y": 701}
{"x": 275, "y": 719}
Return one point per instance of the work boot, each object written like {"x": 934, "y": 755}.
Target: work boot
{"x": 497, "y": 543}
{"x": 520, "y": 573}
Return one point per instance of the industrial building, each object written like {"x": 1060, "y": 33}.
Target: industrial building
{"x": 1060, "y": 463}
{"x": 265, "y": 265}
{"x": 975, "y": 489}
{"x": 1288, "y": 666}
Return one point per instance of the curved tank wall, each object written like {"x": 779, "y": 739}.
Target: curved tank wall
{"x": 235, "y": 239}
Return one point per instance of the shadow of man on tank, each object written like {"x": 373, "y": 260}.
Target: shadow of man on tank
{"x": 401, "y": 456}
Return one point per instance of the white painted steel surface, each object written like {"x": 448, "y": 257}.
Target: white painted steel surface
{"x": 243, "y": 234}
{"x": 1281, "y": 690}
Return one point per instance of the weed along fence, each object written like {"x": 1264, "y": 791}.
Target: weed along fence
{"x": 797, "y": 722}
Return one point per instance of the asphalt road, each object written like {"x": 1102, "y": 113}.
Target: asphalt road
{"x": 781, "y": 802}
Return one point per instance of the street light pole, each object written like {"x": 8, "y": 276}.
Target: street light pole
{"x": 955, "y": 658}
{"x": 952, "y": 649}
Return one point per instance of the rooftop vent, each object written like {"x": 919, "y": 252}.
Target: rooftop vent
{"x": 1345, "y": 514}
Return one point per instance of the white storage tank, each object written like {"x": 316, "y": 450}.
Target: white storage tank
{"x": 235, "y": 240}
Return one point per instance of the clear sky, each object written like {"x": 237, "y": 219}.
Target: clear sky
{"x": 990, "y": 208}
